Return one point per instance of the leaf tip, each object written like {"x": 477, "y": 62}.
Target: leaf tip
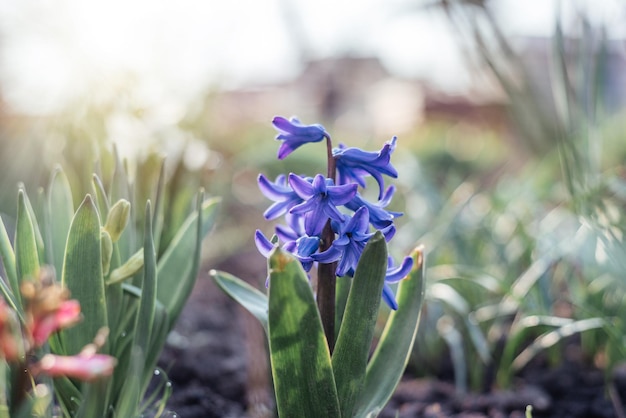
{"x": 418, "y": 256}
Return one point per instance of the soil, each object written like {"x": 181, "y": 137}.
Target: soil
{"x": 217, "y": 363}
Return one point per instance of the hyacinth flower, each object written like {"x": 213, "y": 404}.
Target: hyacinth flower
{"x": 321, "y": 199}
{"x": 294, "y": 134}
{"x": 281, "y": 193}
{"x": 354, "y": 164}
{"x": 379, "y": 217}
{"x": 319, "y": 370}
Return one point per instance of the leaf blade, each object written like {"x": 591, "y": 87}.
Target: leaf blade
{"x": 82, "y": 275}
{"x": 247, "y": 296}
{"x": 359, "y": 320}
{"x": 299, "y": 355}
{"x": 396, "y": 341}
{"x": 176, "y": 274}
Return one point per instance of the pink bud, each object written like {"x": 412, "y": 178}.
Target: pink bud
{"x": 67, "y": 314}
{"x": 82, "y": 367}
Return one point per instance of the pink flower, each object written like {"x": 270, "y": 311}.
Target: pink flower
{"x": 66, "y": 315}
{"x": 9, "y": 345}
{"x": 85, "y": 366}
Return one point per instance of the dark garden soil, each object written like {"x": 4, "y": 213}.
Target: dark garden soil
{"x": 216, "y": 361}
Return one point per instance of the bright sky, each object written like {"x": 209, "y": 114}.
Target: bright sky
{"x": 55, "y": 50}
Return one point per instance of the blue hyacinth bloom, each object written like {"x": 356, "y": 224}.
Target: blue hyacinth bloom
{"x": 353, "y": 234}
{"x": 294, "y": 134}
{"x": 379, "y": 217}
{"x": 321, "y": 198}
{"x": 353, "y": 164}
{"x": 394, "y": 275}
{"x": 281, "y": 193}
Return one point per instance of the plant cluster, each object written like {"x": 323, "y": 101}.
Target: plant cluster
{"x": 101, "y": 346}
{"x": 320, "y": 354}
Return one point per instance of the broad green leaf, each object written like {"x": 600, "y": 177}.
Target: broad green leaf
{"x": 396, "y": 342}
{"x": 247, "y": 296}
{"x": 7, "y": 256}
{"x": 178, "y": 267}
{"x": 359, "y": 320}
{"x": 82, "y": 275}
{"x": 301, "y": 365}
{"x": 59, "y": 218}
{"x": 26, "y": 255}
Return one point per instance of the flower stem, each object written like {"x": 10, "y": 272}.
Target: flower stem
{"x": 326, "y": 277}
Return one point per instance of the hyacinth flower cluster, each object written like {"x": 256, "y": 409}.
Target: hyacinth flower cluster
{"x": 328, "y": 221}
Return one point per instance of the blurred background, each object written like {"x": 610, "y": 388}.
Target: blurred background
{"x": 509, "y": 113}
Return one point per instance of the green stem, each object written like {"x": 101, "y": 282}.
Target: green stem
{"x": 326, "y": 278}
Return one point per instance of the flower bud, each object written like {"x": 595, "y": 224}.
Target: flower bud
{"x": 128, "y": 269}
{"x": 81, "y": 367}
{"x": 106, "y": 251}
{"x": 117, "y": 219}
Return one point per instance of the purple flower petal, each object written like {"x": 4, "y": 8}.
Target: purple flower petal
{"x": 395, "y": 274}
{"x": 264, "y": 245}
{"x": 389, "y": 297}
{"x": 295, "y": 134}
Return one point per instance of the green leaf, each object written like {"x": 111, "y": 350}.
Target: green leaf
{"x": 392, "y": 353}
{"x": 178, "y": 267}
{"x": 7, "y": 256}
{"x": 158, "y": 335}
{"x": 26, "y": 255}
{"x": 145, "y": 315}
{"x": 159, "y": 203}
{"x": 247, "y": 296}
{"x": 33, "y": 218}
{"x": 82, "y": 275}
{"x": 359, "y": 320}
{"x": 301, "y": 365}
{"x": 67, "y": 394}
{"x": 550, "y": 338}
{"x": 341, "y": 298}
{"x": 96, "y": 399}
{"x": 120, "y": 189}
{"x": 59, "y": 218}
{"x": 100, "y": 196}
{"x": 128, "y": 403}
